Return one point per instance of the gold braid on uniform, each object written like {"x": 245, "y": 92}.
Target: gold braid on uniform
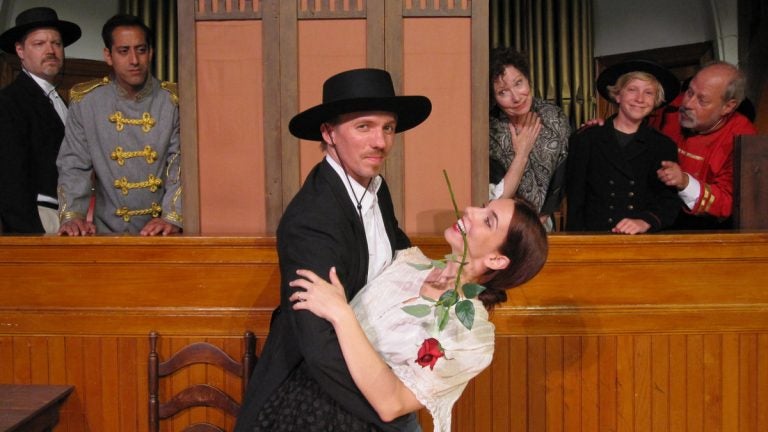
{"x": 171, "y": 88}
{"x": 120, "y": 155}
{"x": 175, "y": 216}
{"x": 152, "y": 182}
{"x": 65, "y": 215}
{"x": 172, "y": 163}
{"x": 146, "y": 121}
{"x": 127, "y": 214}
{"x": 78, "y": 91}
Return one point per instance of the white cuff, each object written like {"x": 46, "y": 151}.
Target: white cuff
{"x": 691, "y": 193}
{"x": 495, "y": 190}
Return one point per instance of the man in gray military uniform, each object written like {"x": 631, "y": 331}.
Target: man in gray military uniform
{"x": 122, "y": 138}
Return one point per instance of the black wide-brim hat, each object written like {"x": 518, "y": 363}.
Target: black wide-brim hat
{"x": 667, "y": 79}
{"x": 360, "y": 90}
{"x": 34, "y": 18}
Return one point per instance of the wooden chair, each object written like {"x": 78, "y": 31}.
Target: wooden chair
{"x": 198, "y": 395}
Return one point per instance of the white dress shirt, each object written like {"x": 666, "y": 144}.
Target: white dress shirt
{"x": 379, "y": 247}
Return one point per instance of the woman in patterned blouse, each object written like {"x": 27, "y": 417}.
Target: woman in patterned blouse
{"x": 528, "y": 137}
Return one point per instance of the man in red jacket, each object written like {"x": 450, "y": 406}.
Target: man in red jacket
{"x": 704, "y": 128}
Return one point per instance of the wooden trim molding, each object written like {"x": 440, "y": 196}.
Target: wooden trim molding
{"x": 479, "y": 100}
{"x": 221, "y": 285}
{"x": 190, "y": 165}
{"x": 222, "y": 10}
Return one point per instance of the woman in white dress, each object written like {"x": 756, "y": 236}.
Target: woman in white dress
{"x": 400, "y": 360}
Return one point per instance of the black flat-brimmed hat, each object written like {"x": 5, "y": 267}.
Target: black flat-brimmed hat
{"x": 360, "y": 90}
{"x": 38, "y": 17}
{"x": 667, "y": 79}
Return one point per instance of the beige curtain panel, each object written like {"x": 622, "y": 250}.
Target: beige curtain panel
{"x": 557, "y": 36}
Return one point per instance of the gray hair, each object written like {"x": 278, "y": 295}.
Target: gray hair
{"x": 736, "y": 88}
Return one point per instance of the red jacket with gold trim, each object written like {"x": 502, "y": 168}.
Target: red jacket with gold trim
{"x": 709, "y": 158}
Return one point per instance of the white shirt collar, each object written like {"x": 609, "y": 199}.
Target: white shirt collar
{"x": 369, "y": 198}
{"x": 45, "y": 85}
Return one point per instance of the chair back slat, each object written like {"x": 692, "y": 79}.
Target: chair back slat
{"x": 197, "y": 395}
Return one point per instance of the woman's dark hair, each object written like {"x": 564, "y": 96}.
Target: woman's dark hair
{"x": 124, "y": 20}
{"x": 502, "y": 57}
{"x": 525, "y": 246}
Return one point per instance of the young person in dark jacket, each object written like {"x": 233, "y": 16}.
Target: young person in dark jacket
{"x": 342, "y": 216}
{"x": 612, "y": 182}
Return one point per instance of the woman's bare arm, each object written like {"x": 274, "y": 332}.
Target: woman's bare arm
{"x": 380, "y": 386}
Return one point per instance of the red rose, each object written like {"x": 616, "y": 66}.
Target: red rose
{"x": 429, "y": 352}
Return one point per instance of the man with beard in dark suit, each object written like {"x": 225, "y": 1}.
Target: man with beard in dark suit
{"x": 32, "y": 118}
{"x": 342, "y": 216}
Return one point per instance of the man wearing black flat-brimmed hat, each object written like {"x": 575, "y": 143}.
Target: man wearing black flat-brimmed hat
{"x": 342, "y": 217}
{"x": 32, "y": 118}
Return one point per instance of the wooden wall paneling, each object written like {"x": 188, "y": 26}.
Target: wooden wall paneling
{"x": 747, "y": 384}
{"x": 190, "y": 177}
{"x": 713, "y": 381}
{"x": 677, "y": 382}
{"x": 642, "y": 383}
{"x": 750, "y": 181}
{"x": 289, "y": 102}
{"x": 762, "y": 383}
{"x": 537, "y": 383}
{"x": 56, "y": 358}
{"x": 479, "y": 410}
{"x": 684, "y": 375}
{"x": 590, "y": 380}
{"x": 625, "y": 383}
{"x": 553, "y": 382}
{"x": 519, "y": 375}
{"x": 660, "y": 370}
{"x": 608, "y": 382}
{"x": 695, "y": 383}
{"x": 22, "y": 373}
{"x": 110, "y": 382}
{"x": 730, "y": 382}
{"x": 73, "y": 410}
{"x": 572, "y": 381}
{"x": 279, "y": 35}
{"x": 38, "y": 360}
{"x": 394, "y": 166}
{"x": 479, "y": 100}
{"x": 127, "y": 385}
{"x": 6, "y": 359}
{"x": 93, "y": 388}
{"x": 501, "y": 387}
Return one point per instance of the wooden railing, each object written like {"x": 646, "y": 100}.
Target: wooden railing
{"x": 660, "y": 332}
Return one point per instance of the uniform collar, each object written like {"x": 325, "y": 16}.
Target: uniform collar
{"x": 145, "y": 91}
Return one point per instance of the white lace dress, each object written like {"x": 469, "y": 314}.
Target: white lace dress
{"x": 397, "y": 336}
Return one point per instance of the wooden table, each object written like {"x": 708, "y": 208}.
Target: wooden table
{"x": 31, "y": 407}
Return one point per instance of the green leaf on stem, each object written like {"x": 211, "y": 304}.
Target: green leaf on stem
{"x": 471, "y": 290}
{"x": 449, "y": 298}
{"x": 441, "y": 315}
{"x": 418, "y": 311}
{"x": 418, "y": 266}
{"x": 438, "y": 264}
{"x": 465, "y": 311}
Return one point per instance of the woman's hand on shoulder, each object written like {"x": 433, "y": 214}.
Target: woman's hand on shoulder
{"x": 324, "y": 299}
